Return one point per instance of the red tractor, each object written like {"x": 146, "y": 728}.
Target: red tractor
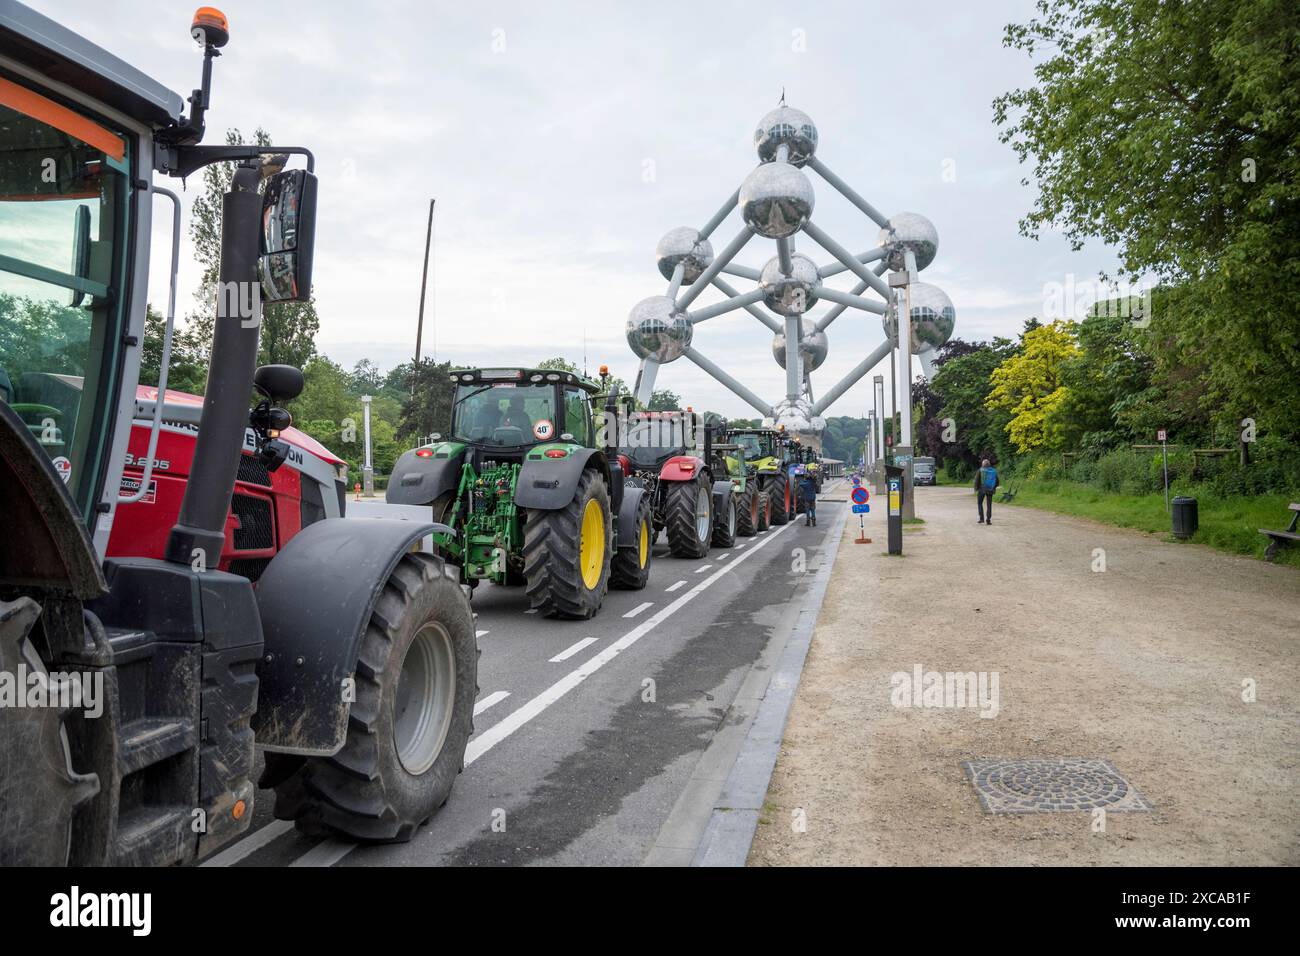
{"x": 268, "y": 507}
{"x": 670, "y": 454}
{"x": 151, "y": 664}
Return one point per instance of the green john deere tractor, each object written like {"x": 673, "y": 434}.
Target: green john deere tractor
{"x": 530, "y": 497}
{"x": 769, "y": 451}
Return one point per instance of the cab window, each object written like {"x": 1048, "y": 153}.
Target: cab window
{"x": 63, "y": 222}
{"x": 577, "y": 416}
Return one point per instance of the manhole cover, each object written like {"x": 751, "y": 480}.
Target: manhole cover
{"x": 1052, "y": 785}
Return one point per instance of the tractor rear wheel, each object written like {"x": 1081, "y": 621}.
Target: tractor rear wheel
{"x": 747, "y": 513}
{"x": 567, "y": 553}
{"x": 764, "y": 511}
{"x": 630, "y": 568}
{"x": 39, "y": 790}
{"x": 778, "y": 492}
{"x": 416, "y": 681}
{"x": 688, "y": 514}
{"x": 724, "y": 529}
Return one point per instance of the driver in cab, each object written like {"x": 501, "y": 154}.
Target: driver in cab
{"x": 516, "y": 416}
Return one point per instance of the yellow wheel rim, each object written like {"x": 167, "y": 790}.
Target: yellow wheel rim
{"x": 591, "y": 550}
{"x": 645, "y": 543}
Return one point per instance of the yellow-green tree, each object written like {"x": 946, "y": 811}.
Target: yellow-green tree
{"x": 1028, "y": 386}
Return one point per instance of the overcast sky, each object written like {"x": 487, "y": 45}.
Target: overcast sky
{"x": 561, "y": 140}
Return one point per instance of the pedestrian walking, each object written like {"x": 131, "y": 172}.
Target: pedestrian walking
{"x": 808, "y": 492}
{"x": 986, "y": 482}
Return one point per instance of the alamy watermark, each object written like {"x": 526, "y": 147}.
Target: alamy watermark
{"x": 947, "y": 690}
{"x": 1079, "y": 299}
{"x": 65, "y": 690}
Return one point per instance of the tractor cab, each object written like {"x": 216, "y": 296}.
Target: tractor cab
{"x": 508, "y": 411}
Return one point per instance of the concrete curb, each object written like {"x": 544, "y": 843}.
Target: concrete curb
{"x": 734, "y": 819}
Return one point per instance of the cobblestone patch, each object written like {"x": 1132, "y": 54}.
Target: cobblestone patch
{"x": 1052, "y": 785}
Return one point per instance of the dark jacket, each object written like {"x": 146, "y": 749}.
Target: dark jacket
{"x": 807, "y": 487}
{"x": 979, "y": 479}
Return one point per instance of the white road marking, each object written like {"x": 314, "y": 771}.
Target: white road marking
{"x": 329, "y": 852}
{"x": 701, "y": 570}
{"x": 568, "y": 652}
{"x": 723, "y": 556}
{"x": 495, "y": 697}
{"x": 481, "y": 633}
{"x": 522, "y": 715}
{"x": 639, "y": 608}
{"x": 674, "y": 587}
{"x": 249, "y": 844}
{"x": 531, "y": 610}
{"x": 325, "y": 853}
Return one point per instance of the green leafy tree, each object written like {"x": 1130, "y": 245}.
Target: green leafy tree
{"x": 1028, "y": 385}
{"x": 963, "y": 384}
{"x": 664, "y": 400}
{"x": 1171, "y": 131}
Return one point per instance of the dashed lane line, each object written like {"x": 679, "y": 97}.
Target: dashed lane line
{"x": 495, "y": 697}
{"x": 639, "y": 608}
{"x": 568, "y": 652}
{"x": 673, "y": 587}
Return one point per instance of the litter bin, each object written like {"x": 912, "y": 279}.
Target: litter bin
{"x": 1183, "y": 512}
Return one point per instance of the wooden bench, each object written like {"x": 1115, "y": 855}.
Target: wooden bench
{"x": 1279, "y": 538}
{"x": 1009, "y": 494}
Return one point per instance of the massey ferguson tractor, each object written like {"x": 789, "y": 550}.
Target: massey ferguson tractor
{"x": 671, "y": 455}
{"x": 136, "y": 675}
{"x": 527, "y": 495}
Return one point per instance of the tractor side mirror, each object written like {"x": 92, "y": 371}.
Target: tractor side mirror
{"x": 288, "y": 236}
{"x": 279, "y": 383}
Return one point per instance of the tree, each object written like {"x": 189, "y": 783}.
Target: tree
{"x": 1170, "y": 131}
{"x": 664, "y": 400}
{"x": 1028, "y": 386}
{"x": 963, "y": 383}
{"x": 427, "y": 399}
{"x": 186, "y": 371}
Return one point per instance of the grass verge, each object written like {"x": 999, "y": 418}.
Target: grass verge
{"x": 1226, "y": 524}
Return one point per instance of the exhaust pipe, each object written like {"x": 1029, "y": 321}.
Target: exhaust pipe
{"x": 200, "y": 528}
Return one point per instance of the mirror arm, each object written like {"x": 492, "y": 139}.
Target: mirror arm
{"x": 182, "y": 161}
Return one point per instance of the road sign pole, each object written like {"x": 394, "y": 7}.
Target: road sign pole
{"x": 1164, "y": 451}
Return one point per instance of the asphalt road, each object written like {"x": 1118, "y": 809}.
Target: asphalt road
{"x": 587, "y": 731}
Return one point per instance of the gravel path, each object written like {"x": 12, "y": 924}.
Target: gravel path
{"x": 1144, "y": 665}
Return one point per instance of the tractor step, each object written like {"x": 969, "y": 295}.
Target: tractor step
{"x": 150, "y": 833}
{"x": 149, "y": 740}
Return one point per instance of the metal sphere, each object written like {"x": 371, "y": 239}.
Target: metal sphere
{"x": 776, "y": 199}
{"x": 812, "y": 346}
{"x": 683, "y": 245}
{"x": 909, "y": 230}
{"x": 798, "y": 418}
{"x": 932, "y": 316}
{"x": 657, "y": 329}
{"x": 789, "y": 294}
{"x": 787, "y": 127}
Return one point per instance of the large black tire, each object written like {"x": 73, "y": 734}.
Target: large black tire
{"x": 39, "y": 790}
{"x": 724, "y": 525}
{"x": 778, "y": 493}
{"x": 553, "y": 553}
{"x": 683, "y": 520}
{"x": 376, "y": 790}
{"x": 764, "y": 511}
{"x": 630, "y": 568}
{"x": 747, "y": 512}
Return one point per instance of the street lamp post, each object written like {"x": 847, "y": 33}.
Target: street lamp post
{"x": 368, "y": 470}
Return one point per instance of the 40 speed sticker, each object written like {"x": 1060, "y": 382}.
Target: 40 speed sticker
{"x": 543, "y": 429}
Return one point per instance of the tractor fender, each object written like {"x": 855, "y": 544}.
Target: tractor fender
{"x": 315, "y": 599}
{"x": 548, "y": 484}
{"x": 721, "y": 495}
{"x": 422, "y": 481}
{"x": 632, "y": 496}
{"x": 674, "y": 470}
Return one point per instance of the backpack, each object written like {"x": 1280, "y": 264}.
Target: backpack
{"x": 990, "y": 478}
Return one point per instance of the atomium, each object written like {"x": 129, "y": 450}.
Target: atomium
{"x": 812, "y": 346}
{"x": 683, "y": 245}
{"x": 657, "y": 329}
{"x": 776, "y": 200}
{"x": 788, "y": 127}
{"x": 789, "y": 294}
{"x": 932, "y": 316}
{"x": 909, "y": 230}
{"x": 797, "y": 417}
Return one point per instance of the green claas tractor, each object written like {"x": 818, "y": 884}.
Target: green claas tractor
{"x": 769, "y": 451}
{"x": 529, "y": 496}
{"x": 753, "y": 508}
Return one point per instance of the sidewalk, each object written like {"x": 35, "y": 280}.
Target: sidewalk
{"x": 1141, "y": 665}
